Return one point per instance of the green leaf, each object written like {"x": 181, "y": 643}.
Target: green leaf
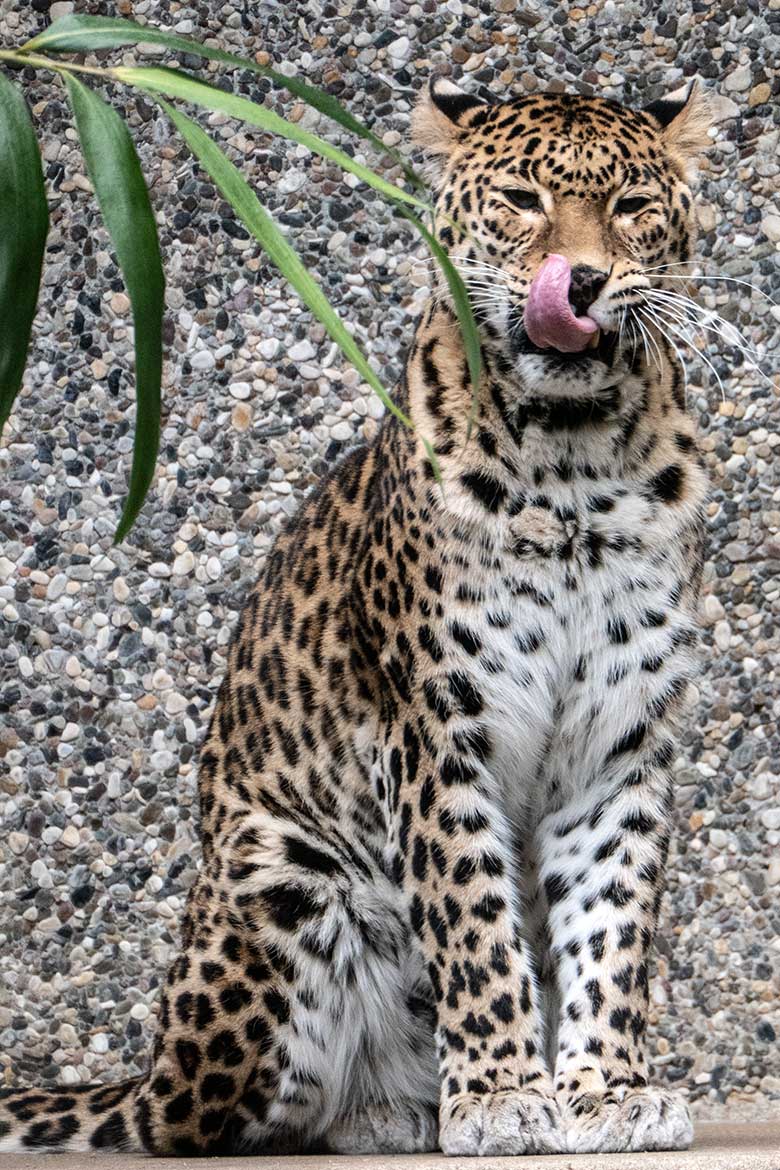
{"x": 24, "y": 222}
{"x": 115, "y": 172}
{"x": 85, "y": 34}
{"x": 175, "y": 83}
{"x": 460, "y": 299}
{"x": 256, "y": 219}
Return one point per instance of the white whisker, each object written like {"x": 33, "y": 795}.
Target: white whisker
{"x": 704, "y": 321}
{"x": 672, "y": 323}
{"x": 653, "y": 318}
{"x": 691, "y": 276}
{"x": 648, "y": 340}
{"x": 472, "y": 283}
{"x": 634, "y": 341}
{"x": 708, "y": 319}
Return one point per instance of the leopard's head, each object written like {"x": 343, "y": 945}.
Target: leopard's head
{"x": 569, "y": 205}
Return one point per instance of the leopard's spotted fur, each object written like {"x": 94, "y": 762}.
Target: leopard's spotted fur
{"x": 436, "y": 789}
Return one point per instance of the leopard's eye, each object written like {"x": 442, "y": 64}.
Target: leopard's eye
{"x": 522, "y": 199}
{"x": 631, "y": 204}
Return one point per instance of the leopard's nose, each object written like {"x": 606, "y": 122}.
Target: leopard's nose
{"x": 586, "y": 284}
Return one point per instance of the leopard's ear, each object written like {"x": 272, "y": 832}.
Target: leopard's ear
{"x": 684, "y": 124}
{"x": 441, "y": 115}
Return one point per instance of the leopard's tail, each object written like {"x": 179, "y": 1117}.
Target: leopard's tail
{"x": 73, "y": 1118}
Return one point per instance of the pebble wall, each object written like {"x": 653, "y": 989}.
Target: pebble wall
{"x": 110, "y": 657}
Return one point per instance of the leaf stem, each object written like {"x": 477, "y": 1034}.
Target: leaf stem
{"x": 18, "y": 57}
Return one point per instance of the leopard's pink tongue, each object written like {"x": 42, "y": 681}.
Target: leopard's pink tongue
{"x": 549, "y": 318}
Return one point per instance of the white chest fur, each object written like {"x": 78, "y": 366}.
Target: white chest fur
{"x": 569, "y": 597}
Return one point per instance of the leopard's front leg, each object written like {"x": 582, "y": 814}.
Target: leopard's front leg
{"x": 603, "y": 875}
{"x": 455, "y": 861}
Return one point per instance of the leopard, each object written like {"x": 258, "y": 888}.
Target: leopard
{"x": 437, "y": 789}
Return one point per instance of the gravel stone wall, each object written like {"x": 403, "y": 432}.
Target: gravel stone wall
{"x": 111, "y": 657}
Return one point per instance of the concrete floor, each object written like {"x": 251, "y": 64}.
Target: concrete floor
{"x": 718, "y": 1146}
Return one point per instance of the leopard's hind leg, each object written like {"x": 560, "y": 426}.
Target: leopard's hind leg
{"x": 296, "y": 1017}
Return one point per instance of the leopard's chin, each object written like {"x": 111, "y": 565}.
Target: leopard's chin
{"x": 551, "y": 372}
{"x": 558, "y": 375}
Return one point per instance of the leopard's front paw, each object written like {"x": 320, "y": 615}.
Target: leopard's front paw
{"x": 643, "y": 1119}
{"x": 503, "y": 1123}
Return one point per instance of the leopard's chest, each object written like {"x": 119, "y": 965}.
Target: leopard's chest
{"x": 541, "y": 621}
